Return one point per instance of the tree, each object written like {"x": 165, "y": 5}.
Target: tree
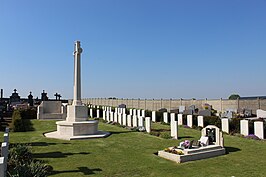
{"x": 234, "y": 97}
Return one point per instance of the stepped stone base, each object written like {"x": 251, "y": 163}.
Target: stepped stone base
{"x": 77, "y": 130}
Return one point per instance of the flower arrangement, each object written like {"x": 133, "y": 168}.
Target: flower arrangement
{"x": 185, "y": 144}
{"x": 174, "y": 150}
{"x": 252, "y": 136}
{"x": 186, "y": 126}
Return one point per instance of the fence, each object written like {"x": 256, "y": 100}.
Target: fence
{"x": 155, "y": 104}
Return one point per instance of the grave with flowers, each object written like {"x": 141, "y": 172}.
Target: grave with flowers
{"x": 210, "y": 145}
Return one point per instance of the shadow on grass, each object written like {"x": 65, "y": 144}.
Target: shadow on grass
{"x": 44, "y": 143}
{"x": 84, "y": 170}
{"x": 56, "y": 154}
{"x": 120, "y": 132}
{"x": 160, "y": 130}
{"x": 231, "y": 149}
{"x": 182, "y": 137}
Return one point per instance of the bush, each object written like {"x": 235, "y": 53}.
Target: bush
{"x": 18, "y": 124}
{"x": 212, "y": 120}
{"x": 28, "y": 113}
{"x": 234, "y": 125}
{"x": 21, "y": 163}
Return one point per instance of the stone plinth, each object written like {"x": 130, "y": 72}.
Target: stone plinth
{"x": 77, "y": 130}
{"x": 194, "y": 154}
{"x": 77, "y": 113}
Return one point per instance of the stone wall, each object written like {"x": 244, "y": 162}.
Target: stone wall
{"x": 156, "y": 104}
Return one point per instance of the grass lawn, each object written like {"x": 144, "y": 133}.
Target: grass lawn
{"x": 126, "y": 153}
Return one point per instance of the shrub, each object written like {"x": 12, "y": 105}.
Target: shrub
{"x": 234, "y": 125}
{"x": 212, "y": 120}
{"x": 28, "y": 113}
{"x": 20, "y": 125}
{"x": 21, "y": 163}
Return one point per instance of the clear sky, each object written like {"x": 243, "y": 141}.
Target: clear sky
{"x": 134, "y": 48}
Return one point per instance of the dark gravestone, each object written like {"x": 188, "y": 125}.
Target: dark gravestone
{"x": 188, "y": 112}
{"x": 30, "y": 99}
{"x": 206, "y": 112}
{"x": 57, "y": 96}
{"x": 210, "y": 133}
{"x": 122, "y": 106}
{"x": 162, "y": 110}
{"x": 174, "y": 111}
{"x": 44, "y": 96}
{"x": 14, "y": 97}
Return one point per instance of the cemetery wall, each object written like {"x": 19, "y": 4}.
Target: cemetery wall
{"x": 156, "y": 104}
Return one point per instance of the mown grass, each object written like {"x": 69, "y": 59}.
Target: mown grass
{"x": 128, "y": 153}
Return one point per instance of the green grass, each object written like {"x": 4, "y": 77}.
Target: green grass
{"x": 126, "y": 153}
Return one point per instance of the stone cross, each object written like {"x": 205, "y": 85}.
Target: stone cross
{"x": 15, "y": 90}
{"x": 77, "y": 76}
{"x": 57, "y": 96}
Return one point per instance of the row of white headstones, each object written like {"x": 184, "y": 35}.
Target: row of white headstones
{"x": 4, "y": 154}
{"x": 136, "y": 118}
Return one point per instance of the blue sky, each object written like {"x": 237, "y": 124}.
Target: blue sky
{"x": 134, "y": 48}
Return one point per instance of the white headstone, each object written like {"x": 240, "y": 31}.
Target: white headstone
{"x": 200, "y": 121}
{"x": 189, "y": 120}
{"x": 213, "y": 130}
{"x": 180, "y": 119}
{"x": 134, "y": 112}
{"x": 123, "y": 110}
{"x": 174, "y": 129}
{"x": 154, "y": 116}
{"x": 143, "y": 113}
{"x": 120, "y": 118}
{"x": 116, "y": 110}
{"x": 104, "y": 115}
{"x": 111, "y": 116}
{"x": 225, "y": 125}
{"x": 258, "y": 129}
{"x": 141, "y": 121}
{"x": 91, "y": 113}
{"x": 131, "y": 112}
{"x": 98, "y": 113}
{"x": 116, "y": 117}
{"x": 135, "y": 121}
{"x": 165, "y": 117}
{"x": 108, "y": 116}
{"x": 172, "y": 115}
{"x": 244, "y": 129}
{"x": 129, "y": 120}
{"x": 139, "y": 112}
{"x": 124, "y": 119}
{"x": 148, "y": 124}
